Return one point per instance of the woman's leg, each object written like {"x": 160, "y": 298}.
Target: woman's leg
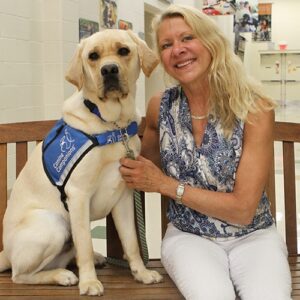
{"x": 198, "y": 266}
{"x": 259, "y": 266}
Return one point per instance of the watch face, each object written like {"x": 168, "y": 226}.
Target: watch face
{"x": 179, "y": 193}
{"x": 180, "y": 190}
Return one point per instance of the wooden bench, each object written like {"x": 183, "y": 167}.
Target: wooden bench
{"x": 119, "y": 283}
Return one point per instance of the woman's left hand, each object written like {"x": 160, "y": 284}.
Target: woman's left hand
{"x": 141, "y": 174}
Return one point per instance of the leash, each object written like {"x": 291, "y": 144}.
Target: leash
{"x": 138, "y": 207}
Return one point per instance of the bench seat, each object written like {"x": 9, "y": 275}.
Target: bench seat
{"x": 118, "y": 284}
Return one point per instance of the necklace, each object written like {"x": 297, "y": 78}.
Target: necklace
{"x": 199, "y": 117}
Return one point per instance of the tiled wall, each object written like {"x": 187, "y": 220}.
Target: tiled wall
{"x": 21, "y": 72}
{"x": 37, "y": 40}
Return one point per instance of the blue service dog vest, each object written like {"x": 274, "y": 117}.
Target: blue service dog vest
{"x": 64, "y": 147}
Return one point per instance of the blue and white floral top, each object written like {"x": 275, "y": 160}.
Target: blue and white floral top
{"x": 212, "y": 166}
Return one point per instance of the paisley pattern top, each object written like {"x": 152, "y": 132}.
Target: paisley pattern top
{"x": 212, "y": 166}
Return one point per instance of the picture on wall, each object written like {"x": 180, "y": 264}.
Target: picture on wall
{"x": 217, "y": 7}
{"x": 263, "y": 32}
{"x": 124, "y": 25}
{"x": 87, "y": 28}
{"x": 252, "y": 17}
{"x": 246, "y": 16}
{"x": 108, "y": 13}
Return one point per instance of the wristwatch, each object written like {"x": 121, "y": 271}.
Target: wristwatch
{"x": 179, "y": 193}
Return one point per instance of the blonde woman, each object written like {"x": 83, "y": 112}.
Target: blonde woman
{"x": 208, "y": 147}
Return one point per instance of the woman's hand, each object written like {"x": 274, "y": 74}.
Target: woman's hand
{"x": 141, "y": 174}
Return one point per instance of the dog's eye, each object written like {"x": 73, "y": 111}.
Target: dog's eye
{"x": 93, "y": 56}
{"x": 123, "y": 51}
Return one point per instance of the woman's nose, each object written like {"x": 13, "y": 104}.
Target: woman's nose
{"x": 178, "y": 48}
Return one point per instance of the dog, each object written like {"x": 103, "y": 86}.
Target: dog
{"x": 47, "y": 223}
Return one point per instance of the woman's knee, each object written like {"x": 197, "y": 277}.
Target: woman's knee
{"x": 193, "y": 279}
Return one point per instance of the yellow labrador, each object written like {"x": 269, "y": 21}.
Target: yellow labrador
{"x": 41, "y": 232}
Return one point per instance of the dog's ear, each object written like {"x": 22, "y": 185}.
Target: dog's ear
{"x": 74, "y": 73}
{"x": 148, "y": 59}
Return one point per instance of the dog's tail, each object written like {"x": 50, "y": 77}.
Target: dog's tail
{"x": 4, "y": 262}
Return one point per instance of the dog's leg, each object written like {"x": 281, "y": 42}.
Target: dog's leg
{"x": 33, "y": 247}
{"x": 63, "y": 259}
{"x": 79, "y": 208}
{"x": 56, "y": 276}
{"x": 123, "y": 215}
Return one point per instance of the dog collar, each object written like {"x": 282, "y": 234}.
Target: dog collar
{"x": 117, "y": 135}
{"x": 114, "y": 136}
{"x": 92, "y": 107}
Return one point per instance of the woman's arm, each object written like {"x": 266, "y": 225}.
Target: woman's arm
{"x": 150, "y": 141}
{"x": 237, "y": 207}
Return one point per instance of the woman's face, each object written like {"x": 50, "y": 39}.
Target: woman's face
{"x": 183, "y": 55}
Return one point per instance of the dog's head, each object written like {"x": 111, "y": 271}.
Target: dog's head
{"x": 107, "y": 64}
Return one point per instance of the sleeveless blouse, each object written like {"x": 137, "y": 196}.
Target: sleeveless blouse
{"x": 212, "y": 166}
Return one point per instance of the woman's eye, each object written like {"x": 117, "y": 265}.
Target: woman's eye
{"x": 187, "y": 38}
{"x": 93, "y": 56}
{"x": 165, "y": 46}
{"x": 123, "y": 51}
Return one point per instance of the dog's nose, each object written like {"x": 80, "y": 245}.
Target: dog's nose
{"x": 109, "y": 70}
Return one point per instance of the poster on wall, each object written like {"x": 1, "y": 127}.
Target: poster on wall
{"x": 246, "y": 16}
{"x": 122, "y": 24}
{"x": 263, "y": 31}
{"x": 87, "y": 28}
{"x": 108, "y": 13}
{"x": 252, "y": 17}
{"x": 217, "y": 7}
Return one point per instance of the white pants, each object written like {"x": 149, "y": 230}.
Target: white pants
{"x": 254, "y": 267}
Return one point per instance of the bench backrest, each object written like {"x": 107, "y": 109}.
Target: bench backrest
{"x": 288, "y": 134}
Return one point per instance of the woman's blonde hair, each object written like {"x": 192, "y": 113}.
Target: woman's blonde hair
{"x": 233, "y": 94}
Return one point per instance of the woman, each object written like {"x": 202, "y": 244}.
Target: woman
{"x": 212, "y": 136}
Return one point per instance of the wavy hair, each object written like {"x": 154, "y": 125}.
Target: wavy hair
{"x": 233, "y": 94}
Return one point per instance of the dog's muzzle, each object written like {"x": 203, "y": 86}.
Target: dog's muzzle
{"x": 110, "y": 74}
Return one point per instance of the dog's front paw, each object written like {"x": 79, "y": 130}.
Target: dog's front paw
{"x": 91, "y": 288}
{"x": 65, "y": 277}
{"x": 147, "y": 276}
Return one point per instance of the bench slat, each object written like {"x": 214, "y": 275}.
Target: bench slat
{"x": 24, "y": 131}
{"x": 3, "y": 186}
{"x": 21, "y": 156}
{"x": 290, "y": 197}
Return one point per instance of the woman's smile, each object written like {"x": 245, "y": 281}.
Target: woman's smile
{"x": 185, "y": 63}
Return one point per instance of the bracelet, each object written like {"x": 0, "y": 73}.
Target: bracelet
{"x": 179, "y": 193}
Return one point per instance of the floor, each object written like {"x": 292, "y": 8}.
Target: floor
{"x": 288, "y": 113}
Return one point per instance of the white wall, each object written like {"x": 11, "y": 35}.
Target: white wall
{"x": 21, "y": 72}
{"x": 286, "y": 22}
{"x": 285, "y": 26}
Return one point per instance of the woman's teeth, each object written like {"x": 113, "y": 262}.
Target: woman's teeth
{"x": 184, "y": 63}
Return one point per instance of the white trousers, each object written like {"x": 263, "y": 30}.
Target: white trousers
{"x": 254, "y": 266}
